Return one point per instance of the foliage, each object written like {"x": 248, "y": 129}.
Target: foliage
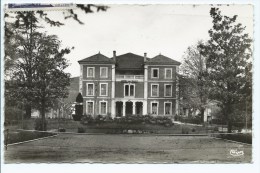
{"x": 245, "y": 138}
{"x": 130, "y": 119}
{"x": 37, "y": 74}
{"x": 228, "y": 53}
{"x": 40, "y": 124}
{"x": 78, "y": 108}
{"x": 78, "y": 112}
{"x": 191, "y": 120}
{"x": 79, "y": 98}
{"x": 20, "y": 33}
{"x": 194, "y": 80}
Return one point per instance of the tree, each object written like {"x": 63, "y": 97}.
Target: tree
{"x": 19, "y": 29}
{"x": 78, "y": 108}
{"x": 20, "y": 52}
{"x": 195, "y": 76}
{"x": 228, "y": 53}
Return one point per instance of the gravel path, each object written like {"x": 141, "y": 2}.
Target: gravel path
{"x": 127, "y": 149}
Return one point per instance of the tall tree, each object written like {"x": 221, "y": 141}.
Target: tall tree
{"x": 228, "y": 53}
{"x": 19, "y": 27}
{"x": 50, "y": 81}
{"x": 20, "y": 52}
{"x": 195, "y": 72}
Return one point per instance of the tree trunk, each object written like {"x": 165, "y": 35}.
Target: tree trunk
{"x": 28, "y": 110}
{"x": 43, "y": 115}
{"x": 229, "y": 117}
{"x": 202, "y": 110}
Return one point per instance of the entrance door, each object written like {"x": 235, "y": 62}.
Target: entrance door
{"x": 129, "y": 108}
{"x": 139, "y": 108}
{"x": 119, "y": 109}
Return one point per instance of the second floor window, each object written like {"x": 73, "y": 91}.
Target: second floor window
{"x": 91, "y": 72}
{"x": 90, "y": 89}
{"x": 168, "y": 73}
{"x": 103, "y": 72}
{"x": 155, "y": 73}
{"x": 129, "y": 90}
{"x": 103, "y": 89}
{"x": 155, "y": 90}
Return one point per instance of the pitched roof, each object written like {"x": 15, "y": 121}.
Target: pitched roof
{"x": 97, "y": 59}
{"x": 129, "y": 61}
{"x": 162, "y": 60}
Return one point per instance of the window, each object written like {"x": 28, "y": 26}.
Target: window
{"x": 154, "y": 108}
{"x": 168, "y": 73}
{"x": 91, "y": 72}
{"x": 129, "y": 90}
{"x": 167, "y": 108}
{"x": 90, "y": 89}
{"x": 103, "y": 89}
{"x": 103, "y": 107}
{"x": 155, "y": 90}
{"x": 167, "y": 90}
{"x": 155, "y": 72}
{"x": 103, "y": 72}
{"x": 90, "y": 107}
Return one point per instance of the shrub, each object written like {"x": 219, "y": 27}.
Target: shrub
{"x": 246, "y": 138}
{"x": 62, "y": 130}
{"x": 78, "y": 112}
{"x": 86, "y": 119}
{"x": 40, "y": 124}
{"x": 185, "y": 130}
{"x": 81, "y": 130}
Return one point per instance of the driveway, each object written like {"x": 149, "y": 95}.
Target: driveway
{"x": 75, "y": 148}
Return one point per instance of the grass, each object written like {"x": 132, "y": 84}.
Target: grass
{"x": 71, "y": 148}
{"x": 112, "y": 127}
{"x": 20, "y": 136}
{"x": 245, "y": 138}
{"x": 109, "y": 127}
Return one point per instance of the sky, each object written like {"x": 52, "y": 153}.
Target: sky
{"x": 154, "y": 29}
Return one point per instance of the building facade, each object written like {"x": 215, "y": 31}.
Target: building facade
{"x": 129, "y": 84}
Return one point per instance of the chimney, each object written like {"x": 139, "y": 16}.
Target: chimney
{"x": 114, "y": 55}
{"x": 145, "y": 55}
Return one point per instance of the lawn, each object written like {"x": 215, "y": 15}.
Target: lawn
{"x": 81, "y": 148}
{"x": 20, "y": 136}
{"x": 109, "y": 127}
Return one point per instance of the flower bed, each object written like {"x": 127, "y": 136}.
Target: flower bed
{"x": 130, "y": 119}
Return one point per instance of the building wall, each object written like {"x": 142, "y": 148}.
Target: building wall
{"x": 161, "y": 89}
{"x": 96, "y": 80}
{"x": 97, "y": 105}
{"x": 161, "y": 72}
{"x": 139, "y": 88}
{"x": 97, "y": 71}
{"x": 161, "y": 105}
{"x": 119, "y": 89}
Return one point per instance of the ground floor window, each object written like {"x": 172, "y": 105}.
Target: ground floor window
{"x": 154, "y": 108}
{"x": 103, "y": 108}
{"x": 90, "y": 107}
{"x": 167, "y": 108}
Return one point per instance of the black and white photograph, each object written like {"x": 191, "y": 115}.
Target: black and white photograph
{"x": 128, "y": 83}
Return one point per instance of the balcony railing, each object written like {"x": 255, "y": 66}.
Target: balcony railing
{"x": 129, "y": 76}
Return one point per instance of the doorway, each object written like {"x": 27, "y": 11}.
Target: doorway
{"x": 129, "y": 108}
{"x": 139, "y": 108}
